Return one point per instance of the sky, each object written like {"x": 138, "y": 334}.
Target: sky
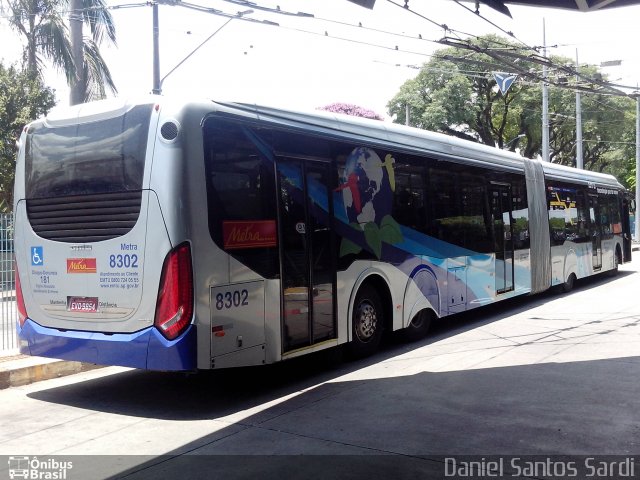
{"x": 309, "y": 62}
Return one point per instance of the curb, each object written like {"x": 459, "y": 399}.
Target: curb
{"x": 23, "y": 370}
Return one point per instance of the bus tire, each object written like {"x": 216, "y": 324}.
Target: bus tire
{"x": 617, "y": 259}
{"x": 567, "y": 286}
{"x": 367, "y": 322}
{"x": 418, "y": 326}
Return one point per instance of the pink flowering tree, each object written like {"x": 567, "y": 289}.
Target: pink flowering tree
{"x": 350, "y": 109}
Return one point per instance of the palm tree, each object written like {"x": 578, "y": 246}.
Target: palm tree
{"x": 41, "y": 24}
{"x": 90, "y": 80}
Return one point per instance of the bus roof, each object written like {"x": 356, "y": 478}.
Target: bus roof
{"x": 404, "y": 137}
{"x": 391, "y": 134}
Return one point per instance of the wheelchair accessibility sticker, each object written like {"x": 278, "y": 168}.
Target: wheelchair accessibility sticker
{"x": 37, "y": 256}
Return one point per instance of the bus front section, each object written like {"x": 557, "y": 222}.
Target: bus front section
{"x": 97, "y": 277}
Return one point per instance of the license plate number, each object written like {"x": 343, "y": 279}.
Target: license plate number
{"x": 82, "y": 304}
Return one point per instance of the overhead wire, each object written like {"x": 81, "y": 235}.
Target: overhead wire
{"x": 506, "y": 49}
{"x": 509, "y": 33}
{"x": 569, "y": 70}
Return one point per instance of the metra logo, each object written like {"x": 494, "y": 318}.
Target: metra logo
{"x": 81, "y": 265}
{"x": 249, "y": 234}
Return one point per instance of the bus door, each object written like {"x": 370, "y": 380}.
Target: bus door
{"x": 501, "y": 215}
{"x": 307, "y": 246}
{"x": 595, "y": 231}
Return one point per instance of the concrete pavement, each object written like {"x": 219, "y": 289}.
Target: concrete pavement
{"x": 548, "y": 376}
{"x": 17, "y": 370}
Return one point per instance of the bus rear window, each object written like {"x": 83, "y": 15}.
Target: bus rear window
{"x": 95, "y": 157}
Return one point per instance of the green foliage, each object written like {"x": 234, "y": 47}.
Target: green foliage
{"x": 43, "y": 29}
{"x": 557, "y": 223}
{"x": 455, "y": 93}
{"x": 23, "y": 98}
{"x": 41, "y": 26}
{"x": 520, "y": 225}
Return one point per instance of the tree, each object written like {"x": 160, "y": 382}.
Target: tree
{"x": 90, "y": 80}
{"x": 41, "y": 25}
{"x": 350, "y": 109}
{"x": 23, "y": 98}
{"x": 455, "y": 93}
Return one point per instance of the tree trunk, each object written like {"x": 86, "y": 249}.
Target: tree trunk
{"x": 32, "y": 59}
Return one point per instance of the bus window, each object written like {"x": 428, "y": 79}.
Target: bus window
{"x": 108, "y": 156}
{"x": 520, "y": 215}
{"x": 459, "y": 209}
{"x": 583, "y": 217}
{"x": 408, "y": 199}
{"x": 474, "y": 227}
{"x": 563, "y": 214}
{"x": 241, "y": 196}
{"x": 608, "y": 205}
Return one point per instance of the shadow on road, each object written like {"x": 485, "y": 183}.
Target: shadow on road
{"x": 319, "y": 417}
{"x": 399, "y": 427}
{"x": 215, "y": 394}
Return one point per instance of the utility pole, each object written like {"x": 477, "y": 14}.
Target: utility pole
{"x": 78, "y": 85}
{"x": 545, "y": 99}
{"x": 637, "y": 226}
{"x": 156, "y": 51}
{"x": 579, "y": 158}
{"x": 157, "y": 81}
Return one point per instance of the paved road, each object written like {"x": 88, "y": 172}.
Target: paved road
{"x": 545, "y": 375}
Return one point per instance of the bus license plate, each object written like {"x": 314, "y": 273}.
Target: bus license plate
{"x": 82, "y": 304}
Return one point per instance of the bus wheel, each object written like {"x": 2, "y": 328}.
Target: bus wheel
{"x": 616, "y": 263}
{"x": 367, "y": 323}
{"x": 418, "y": 327}
{"x": 567, "y": 286}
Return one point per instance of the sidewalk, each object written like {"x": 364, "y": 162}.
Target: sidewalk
{"x": 17, "y": 369}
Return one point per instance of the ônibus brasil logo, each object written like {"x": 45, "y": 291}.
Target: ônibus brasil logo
{"x": 35, "y": 469}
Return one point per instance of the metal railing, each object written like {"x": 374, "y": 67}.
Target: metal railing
{"x": 8, "y": 313}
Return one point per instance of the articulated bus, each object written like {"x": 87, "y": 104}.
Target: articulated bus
{"x": 169, "y": 235}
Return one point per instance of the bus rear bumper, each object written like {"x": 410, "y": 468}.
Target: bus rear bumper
{"x": 146, "y": 349}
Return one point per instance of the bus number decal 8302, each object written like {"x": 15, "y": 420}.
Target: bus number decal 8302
{"x": 123, "y": 261}
{"x": 237, "y": 298}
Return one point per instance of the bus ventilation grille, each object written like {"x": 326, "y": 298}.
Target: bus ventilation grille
{"x": 84, "y": 218}
{"x": 169, "y": 131}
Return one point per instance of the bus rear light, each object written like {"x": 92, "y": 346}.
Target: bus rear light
{"x": 22, "y": 310}
{"x": 174, "y": 307}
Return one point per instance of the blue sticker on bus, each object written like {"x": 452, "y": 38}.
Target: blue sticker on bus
{"x": 37, "y": 256}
